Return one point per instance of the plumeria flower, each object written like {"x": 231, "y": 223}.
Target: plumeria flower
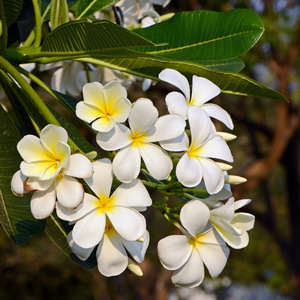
{"x": 48, "y": 170}
{"x": 103, "y": 105}
{"x": 121, "y": 208}
{"x": 137, "y": 142}
{"x": 186, "y": 254}
{"x": 232, "y": 226}
{"x": 64, "y": 79}
{"x": 196, "y": 162}
{"x": 203, "y": 90}
{"x": 112, "y": 251}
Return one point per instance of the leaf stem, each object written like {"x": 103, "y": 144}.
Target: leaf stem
{"x": 38, "y": 23}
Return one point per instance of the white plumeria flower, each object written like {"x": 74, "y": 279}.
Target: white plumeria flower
{"x": 186, "y": 254}
{"x": 64, "y": 79}
{"x": 137, "y": 142}
{"x": 203, "y": 90}
{"x": 49, "y": 169}
{"x": 196, "y": 164}
{"x": 232, "y": 226}
{"x": 112, "y": 250}
{"x": 121, "y": 208}
{"x": 103, "y": 105}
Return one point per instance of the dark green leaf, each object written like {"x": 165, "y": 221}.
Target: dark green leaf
{"x": 59, "y": 13}
{"x": 83, "y": 37}
{"x": 204, "y": 35}
{"x": 149, "y": 66}
{"x": 230, "y": 65}
{"x": 88, "y": 7}
{"x": 15, "y": 214}
{"x": 12, "y": 10}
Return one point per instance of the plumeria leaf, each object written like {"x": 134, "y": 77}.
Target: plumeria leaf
{"x": 88, "y": 7}
{"x": 229, "y": 65}
{"x": 204, "y": 35}
{"x": 148, "y": 66}
{"x": 15, "y": 214}
{"x": 57, "y": 231}
{"x": 12, "y": 9}
{"x": 59, "y": 13}
{"x": 82, "y": 37}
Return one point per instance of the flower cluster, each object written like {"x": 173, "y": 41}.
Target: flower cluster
{"x": 144, "y": 149}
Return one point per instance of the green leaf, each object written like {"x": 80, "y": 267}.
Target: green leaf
{"x": 15, "y": 214}
{"x": 150, "y": 66}
{"x": 230, "y": 65}
{"x": 204, "y": 35}
{"x": 12, "y": 10}
{"x": 82, "y": 37}
{"x": 59, "y": 13}
{"x": 88, "y": 7}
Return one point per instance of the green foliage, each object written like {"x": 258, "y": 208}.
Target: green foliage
{"x": 59, "y": 13}
{"x": 12, "y": 9}
{"x": 87, "y": 7}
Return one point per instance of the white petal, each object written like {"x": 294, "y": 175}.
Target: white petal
{"x": 133, "y": 194}
{"x": 180, "y": 143}
{"x": 82, "y": 253}
{"x": 203, "y": 90}
{"x": 62, "y": 154}
{"x": 34, "y": 184}
{"x": 104, "y": 124}
{"x": 194, "y": 216}
{"x": 191, "y": 274}
{"x": 200, "y": 125}
{"x": 157, "y": 161}
{"x": 111, "y": 256}
{"x": 166, "y": 128}
{"x": 88, "y": 204}
{"x": 189, "y": 171}
{"x": 174, "y": 251}
{"x": 120, "y": 110}
{"x": 51, "y": 134}
{"x": 32, "y": 150}
{"x": 218, "y": 113}
{"x": 216, "y": 147}
{"x": 43, "y": 203}
{"x": 102, "y": 178}
{"x": 127, "y": 163}
{"x": 115, "y": 139}
{"x": 113, "y": 91}
{"x": 243, "y": 220}
{"x": 89, "y": 230}
{"x": 225, "y": 212}
{"x": 129, "y": 223}
{"x": 176, "y": 104}
{"x": 93, "y": 95}
{"x": 79, "y": 166}
{"x": 137, "y": 249}
{"x": 87, "y": 112}
{"x": 240, "y": 203}
{"x": 213, "y": 253}
{"x": 177, "y": 79}
{"x": 212, "y": 175}
{"x": 235, "y": 241}
{"x": 142, "y": 116}
{"x": 69, "y": 192}
{"x": 17, "y": 183}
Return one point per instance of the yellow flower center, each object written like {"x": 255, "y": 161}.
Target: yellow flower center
{"x": 104, "y": 204}
{"x": 195, "y": 240}
{"x": 138, "y": 139}
{"x": 194, "y": 151}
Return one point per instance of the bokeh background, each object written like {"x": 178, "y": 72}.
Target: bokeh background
{"x": 266, "y": 152}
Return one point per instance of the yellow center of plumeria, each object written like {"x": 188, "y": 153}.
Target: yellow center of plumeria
{"x": 138, "y": 139}
{"x": 194, "y": 151}
{"x": 109, "y": 228}
{"x": 104, "y": 204}
{"x": 194, "y": 241}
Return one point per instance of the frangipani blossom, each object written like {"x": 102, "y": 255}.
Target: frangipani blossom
{"x": 112, "y": 251}
{"x": 203, "y": 90}
{"x": 48, "y": 170}
{"x": 232, "y": 226}
{"x": 137, "y": 142}
{"x": 121, "y": 208}
{"x": 103, "y": 105}
{"x": 195, "y": 163}
{"x": 186, "y": 254}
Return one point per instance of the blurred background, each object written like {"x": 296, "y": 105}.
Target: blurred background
{"x": 266, "y": 152}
